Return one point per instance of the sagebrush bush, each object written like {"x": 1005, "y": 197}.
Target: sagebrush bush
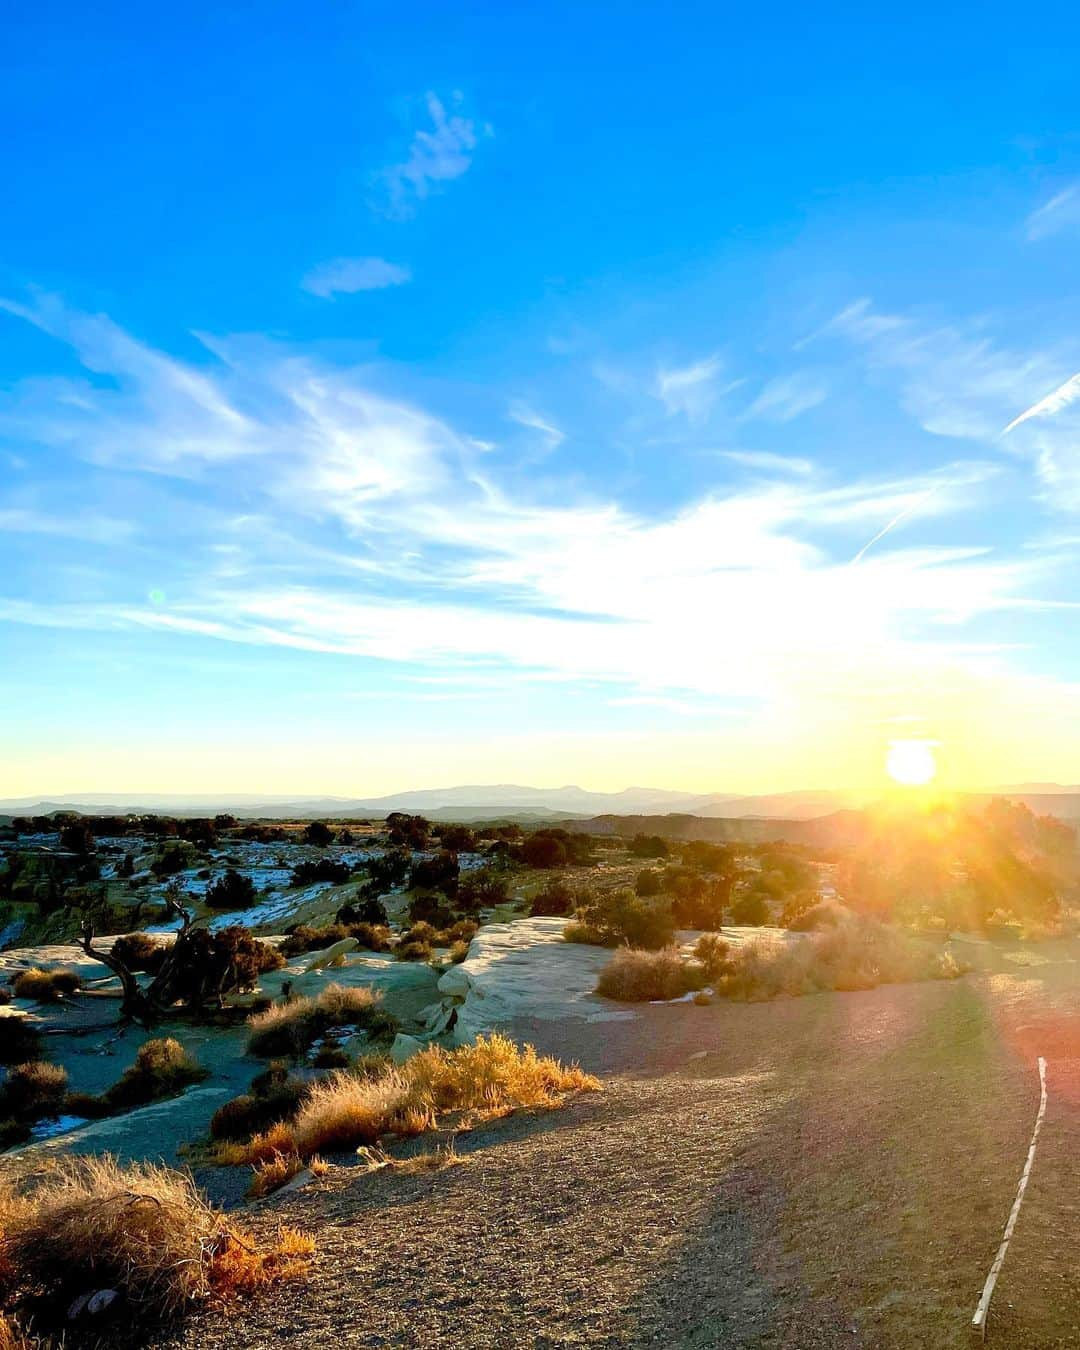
{"x": 140, "y": 951}
{"x": 348, "y": 1109}
{"x": 33, "y": 1090}
{"x": 162, "y": 1068}
{"x": 713, "y": 954}
{"x": 290, "y": 1028}
{"x": 46, "y": 986}
{"x": 140, "y": 1229}
{"x": 855, "y": 955}
{"x": 636, "y": 976}
{"x": 413, "y": 950}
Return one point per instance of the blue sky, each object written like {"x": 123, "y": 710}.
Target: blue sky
{"x": 406, "y": 395}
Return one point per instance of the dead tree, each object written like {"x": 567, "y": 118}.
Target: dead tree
{"x": 198, "y": 969}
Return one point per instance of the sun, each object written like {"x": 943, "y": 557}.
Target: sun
{"x": 911, "y": 763}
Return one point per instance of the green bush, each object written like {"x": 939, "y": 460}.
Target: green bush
{"x": 621, "y": 918}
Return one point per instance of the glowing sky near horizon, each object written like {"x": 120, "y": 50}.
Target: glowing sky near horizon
{"x": 396, "y": 397}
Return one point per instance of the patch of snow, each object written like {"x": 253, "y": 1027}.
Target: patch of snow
{"x": 49, "y": 1129}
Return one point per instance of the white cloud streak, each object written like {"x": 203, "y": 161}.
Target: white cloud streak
{"x": 346, "y": 276}
{"x": 435, "y": 156}
{"x": 371, "y": 528}
{"x": 1061, "y": 212}
{"x": 1057, "y": 401}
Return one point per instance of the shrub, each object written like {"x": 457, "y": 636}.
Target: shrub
{"x": 855, "y": 955}
{"x": 46, "y": 986}
{"x": 331, "y": 1056}
{"x": 140, "y": 951}
{"x": 233, "y": 890}
{"x": 19, "y": 1041}
{"x": 458, "y": 952}
{"x": 713, "y": 955}
{"x": 543, "y": 851}
{"x": 273, "y": 1097}
{"x": 290, "y": 1028}
{"x": 554, "y": 899}
{"x": 318, "y": 833}
{"x": 162, "y": 1068}
{"x": 323, "y": 869}
{"x": 648, "y": 882}
{"x": 366, "y": 910}
{"x": 636, "y": 976}
{"x": 751, "y": 909}
{"x": 304, "y": 938}
{"x": 413, "y": 950}
{"x": 489, "y": 1077}
{"x": 814, "y": 918}
{"x": 648, "y": 846}
{"x": 439, "y": 873}
{"x": 141, "y": 1229}
{"x": 33, "y": 1090}
{"x": 621, "y": 917}
{"x": 483, "y": 888}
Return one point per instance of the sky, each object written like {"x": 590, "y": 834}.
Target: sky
{"x": 402, "y": 395}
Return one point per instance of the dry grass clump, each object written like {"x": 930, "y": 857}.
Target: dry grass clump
{"x": 141, "y": 1229}
{"x": 855, "y": 955}
{"x": 46, "y": 986}
{"x": 635, "y": 976}
{"x": 489, "y": 1078}
{"x": 290, "y": 1028}
{"x": 273, "y": 1173}
{"x": 162, "y": 1068}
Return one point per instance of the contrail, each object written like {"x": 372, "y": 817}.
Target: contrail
{"x": 1052, "y": 403}
{"x": 900, "y": 515}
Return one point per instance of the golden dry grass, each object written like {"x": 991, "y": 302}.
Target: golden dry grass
{"x": 46, "y": 986}
{"x": 141, "y": 1229}
{"x": 486, "y": 1079}
{"x": 272, "y": 1173}
{"x": 636, "y": 976}
{"x": 289, "y": 1028}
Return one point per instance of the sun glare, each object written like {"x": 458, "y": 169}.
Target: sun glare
{"x": 911, "y": 763}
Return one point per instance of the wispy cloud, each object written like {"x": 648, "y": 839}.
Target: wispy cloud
{"x": 764, "y": 461}
{"x": 1061, "y": 212}
{"x": 345, "y": 276}
{"x": 372, "y": 528}
{"x": 957, "y": 381}
{"x": 787, "y": 397}
{"x": 435, "y": 156}
{"x": 525, "y": 416}
{"x": 691, "y": 390}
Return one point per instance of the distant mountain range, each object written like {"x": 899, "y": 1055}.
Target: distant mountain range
{"x": 493, "y": 801}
